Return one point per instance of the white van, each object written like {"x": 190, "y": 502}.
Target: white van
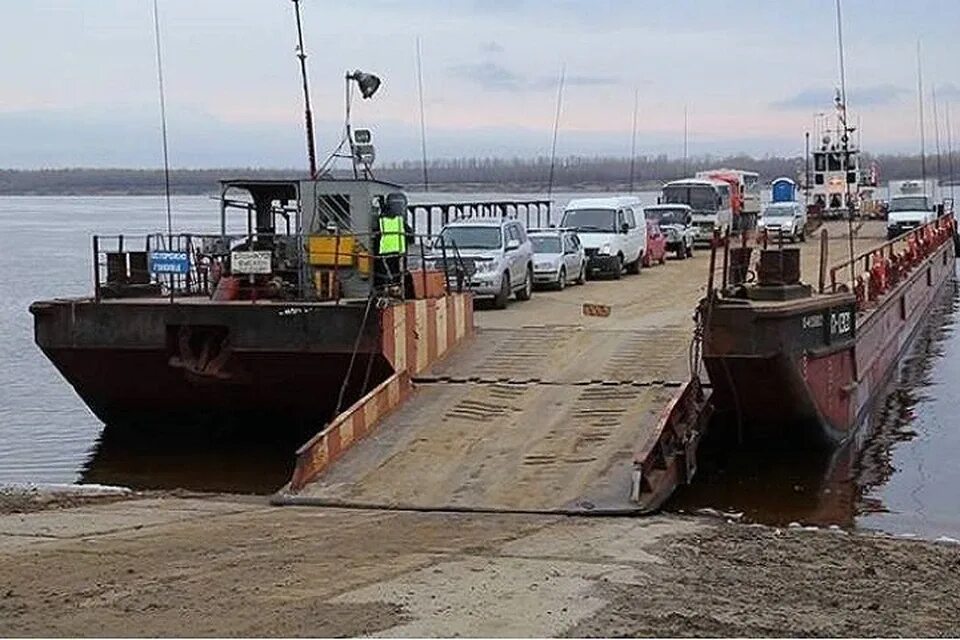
{"x": 907, "y": 212}
{"x": 613, "y": 232}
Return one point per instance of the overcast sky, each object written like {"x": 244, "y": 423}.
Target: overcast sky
{"x": 78, "y": 77}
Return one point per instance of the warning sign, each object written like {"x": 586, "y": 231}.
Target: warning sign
{"x": 596, "y": 310}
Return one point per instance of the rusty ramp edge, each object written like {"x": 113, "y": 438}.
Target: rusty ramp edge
{"x": 350, "y": 426}
{"x": 659, "y": 466}
{"x": 669, "y": 458}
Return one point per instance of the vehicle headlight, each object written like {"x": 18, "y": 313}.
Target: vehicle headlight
{"x": 604, "y": 250}
{"x": 485, "y": 266}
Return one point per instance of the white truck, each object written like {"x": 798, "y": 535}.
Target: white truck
{"x": 907, "y": 212}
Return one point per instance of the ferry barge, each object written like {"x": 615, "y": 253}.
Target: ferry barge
{"x": 793, "y": 364}
{"x": 280, "y": 325}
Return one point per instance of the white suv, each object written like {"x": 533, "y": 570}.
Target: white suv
{"x": 497, "y": 256}
{"x": 613, "y": 232}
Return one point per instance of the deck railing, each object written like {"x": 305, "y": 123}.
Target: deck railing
{"x": 122, "y": 264}
{"x": 429, "y": 218}
{"x": 874, "y": 271}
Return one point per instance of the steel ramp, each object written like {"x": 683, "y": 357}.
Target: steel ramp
{"x": 531, "y": 419}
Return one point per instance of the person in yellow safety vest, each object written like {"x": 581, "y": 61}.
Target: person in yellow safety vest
{"x": 392, "y": 241}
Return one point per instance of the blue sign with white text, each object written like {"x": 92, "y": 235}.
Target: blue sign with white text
{"x": 169, "y": 262}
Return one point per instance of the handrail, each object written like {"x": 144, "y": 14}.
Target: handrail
{"x": 887, "y": 247}
{"x": 209, "y": 258}
{"x": 422, "y": 216}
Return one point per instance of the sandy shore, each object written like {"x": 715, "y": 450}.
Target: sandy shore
{"x": 224, "y": 566}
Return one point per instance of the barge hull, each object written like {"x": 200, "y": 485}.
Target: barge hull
{"x": 807, "y": 372}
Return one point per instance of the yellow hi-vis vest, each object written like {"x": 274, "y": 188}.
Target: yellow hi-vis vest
{"x": 392, "y": 237}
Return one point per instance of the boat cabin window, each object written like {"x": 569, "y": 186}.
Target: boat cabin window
{"x": 818, "y": 178}
{"x": 819, "y": 162}
{"x": 603, "y": 220}
{"x": 834, "y": 162}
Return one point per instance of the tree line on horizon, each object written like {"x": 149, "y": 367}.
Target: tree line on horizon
{"x": 469, "y": 174}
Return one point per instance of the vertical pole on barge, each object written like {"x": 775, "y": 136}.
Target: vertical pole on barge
{"x": 556, "y": 126}
{"x": 163, "y": 129}
{"x": 950, "y": 152}
{"x": 923, "y": 146}
{"x": 936, "y": 142}
{"x": 806, "y": 171}
{"x": 823, "y": 259}
{"x": 845, "y": 139}
{"x": 96, "y": 268}
{"x": 308, "y": 114}
{"x": 423, "y": 126}
{"x": 633, "y": 137}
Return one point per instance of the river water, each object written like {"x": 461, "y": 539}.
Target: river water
{"x": 903, "y": 482}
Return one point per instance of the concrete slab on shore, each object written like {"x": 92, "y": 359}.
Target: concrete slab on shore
{"x": 219, "y": 567}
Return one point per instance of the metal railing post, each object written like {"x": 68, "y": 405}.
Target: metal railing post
{"x": 823, "y": 259}
{"x": 96, "y": 268}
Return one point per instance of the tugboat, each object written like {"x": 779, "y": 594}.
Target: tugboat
{"x": 838, "y": 182}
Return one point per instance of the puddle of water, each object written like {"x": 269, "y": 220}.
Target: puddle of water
{"x": 902, "y": 479}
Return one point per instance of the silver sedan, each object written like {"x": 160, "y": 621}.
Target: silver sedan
{"x": 558, "y": 258}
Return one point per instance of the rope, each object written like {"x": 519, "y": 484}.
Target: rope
{"x": 353, "y": 355}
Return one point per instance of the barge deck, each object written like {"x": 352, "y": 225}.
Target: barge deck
{"x": 544, "y": 409}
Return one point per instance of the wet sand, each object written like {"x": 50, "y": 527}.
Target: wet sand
{"x": 225, "y": 566}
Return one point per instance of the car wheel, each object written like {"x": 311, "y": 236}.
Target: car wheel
{"x": 690, "y": 250}
{"x": 582, "y": 278}
{"x": 634, "y": 267}
{"x": 527, "y": 290}
{"x": 562, "y": 280}
{"x": 618, "y": 272}
{"x": 681, "y": 252}
{"x": 663, "y": 257}
{"x": 500, "y": 300}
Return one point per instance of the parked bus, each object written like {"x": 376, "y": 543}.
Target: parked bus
{"x": 711, "y": 201}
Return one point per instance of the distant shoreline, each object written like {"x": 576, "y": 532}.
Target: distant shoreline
{"x": 463, "y": 175}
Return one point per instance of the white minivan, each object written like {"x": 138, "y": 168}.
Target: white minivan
{"x": 613, "y": 232}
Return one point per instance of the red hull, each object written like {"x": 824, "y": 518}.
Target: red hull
{"x": 808, "y": 370}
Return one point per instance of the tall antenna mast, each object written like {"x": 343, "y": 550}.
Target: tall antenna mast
{"x": 633, "y": 138}
{"x": 950, "y": 150}
{"x": 845, "y": 142}
{"x": 684, "y": 141}
{"x": 923, "y": 148}
{"x": 163, "y": 122}
{"x": 423, "y": 127}
{"x": 556, "y": 126}
{"x": 936, "y": 138}
{"x": 308, "y": 115}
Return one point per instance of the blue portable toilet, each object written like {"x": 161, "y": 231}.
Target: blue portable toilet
{"x": 783, "y": 190}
